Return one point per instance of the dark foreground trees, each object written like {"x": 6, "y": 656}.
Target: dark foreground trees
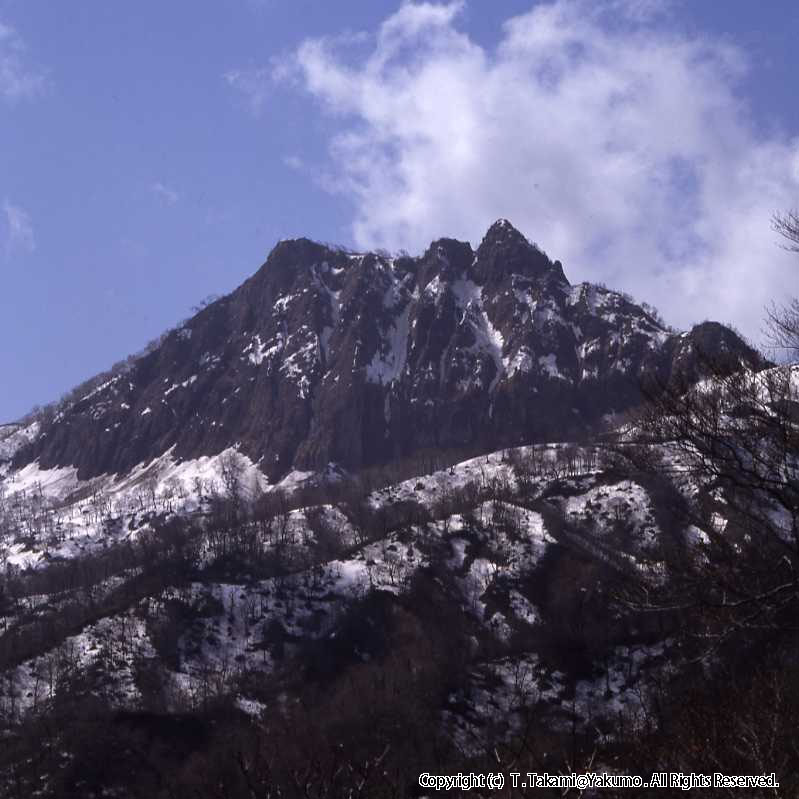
{"x": 731, "y": 444}
{"x": 729, "y": 582}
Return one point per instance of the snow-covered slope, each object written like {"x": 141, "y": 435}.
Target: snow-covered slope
{"x": 489, "y": 527}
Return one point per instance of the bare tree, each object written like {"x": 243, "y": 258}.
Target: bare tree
{"x": 782, "y": 327}
{"x": 782, "y": 319}
{"x": 231, "y": 471}
{"x": 787, "y": 225}
{"x": 733, "y": 445}
{"x": 737, "y": 436}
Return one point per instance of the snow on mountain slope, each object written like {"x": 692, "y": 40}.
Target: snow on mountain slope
{"x": 509, "y": 541}
{"x": 61, "y": 516}
{"x": 14, "y": 437}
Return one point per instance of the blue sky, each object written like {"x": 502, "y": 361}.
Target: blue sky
{"x": 153, "y": 153}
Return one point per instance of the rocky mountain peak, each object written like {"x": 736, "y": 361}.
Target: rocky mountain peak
{"x": 503, "y": 230}
{"x": 326, "y": 356}
{"x": 280, "y": 271}
{"x": 505, "y": 251}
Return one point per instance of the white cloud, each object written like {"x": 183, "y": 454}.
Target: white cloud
{"x": 253, "y": 84}
{"x": 294, "y": 162}
{"x": 18, "y": 234}
{"x": 616, "y": 142}
{"x": 18, "y": 80}
{"x": 164, "y": 193}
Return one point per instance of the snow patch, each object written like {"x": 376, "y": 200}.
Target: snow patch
{"x": 389, "y": 361}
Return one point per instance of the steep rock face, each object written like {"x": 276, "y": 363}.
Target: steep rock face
{"x": 326, "y": 356}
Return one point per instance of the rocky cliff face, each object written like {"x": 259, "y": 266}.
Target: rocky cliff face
{"x": 326, "y": 356}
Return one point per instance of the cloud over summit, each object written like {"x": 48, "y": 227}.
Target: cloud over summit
{"x": 617, "y": 142}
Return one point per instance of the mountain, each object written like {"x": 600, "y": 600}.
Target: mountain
{"x": 186, "y": 611}
{"x": 328, "y": 357}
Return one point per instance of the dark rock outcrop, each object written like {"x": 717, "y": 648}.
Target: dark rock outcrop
{"x": 326, "y": 356}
